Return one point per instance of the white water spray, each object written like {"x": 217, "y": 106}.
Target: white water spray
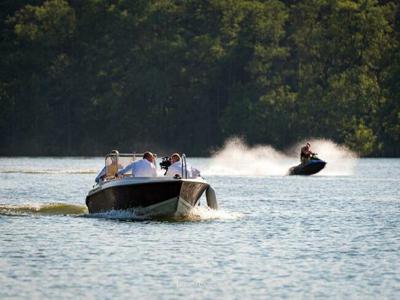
{"x": 203, "y": 213}
{"x": 238, "y": 159}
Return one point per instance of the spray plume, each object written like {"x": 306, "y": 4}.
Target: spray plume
{"x": 238, "y": 159}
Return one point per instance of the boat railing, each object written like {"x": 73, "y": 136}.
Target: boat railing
{"x": 115, "y": 161}
{"x": 184, "y": 166}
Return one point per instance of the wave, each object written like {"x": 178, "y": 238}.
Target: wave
{"x": 43, "y": 209}
{"x": 238, "y": 159}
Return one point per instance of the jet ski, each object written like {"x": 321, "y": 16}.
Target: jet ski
{"x": 310, "y": 167}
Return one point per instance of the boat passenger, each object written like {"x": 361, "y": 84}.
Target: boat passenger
{"x": 176, "y": 168}
{"x": 306, "y": 153}
{"x": 102, "y": 174}
{"x": 141, "y": 168}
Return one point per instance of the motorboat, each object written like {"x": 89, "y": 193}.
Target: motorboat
{"x": 309, "y": 167}
{"x": 150, "y": 196}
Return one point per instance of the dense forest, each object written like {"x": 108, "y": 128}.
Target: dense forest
{"x": 84, "y": 77}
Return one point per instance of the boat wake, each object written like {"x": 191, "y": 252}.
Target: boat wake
{"x": 48, "y": 209}
{"x": 238, "y": 159}
{"x": 122, "y": 215}
{"x": 204, "y": 213}
{"x": 199, "y": 213}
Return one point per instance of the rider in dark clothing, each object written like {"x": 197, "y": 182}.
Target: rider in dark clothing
{"x": 306, "y": 153}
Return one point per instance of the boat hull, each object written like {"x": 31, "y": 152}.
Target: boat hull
{"x": 309, "y": 168}
{"x": 155, "y": 197}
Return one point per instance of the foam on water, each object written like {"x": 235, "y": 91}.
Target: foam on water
{"x": 238, "y": 159}
{"x": 117, "y": 215}
{"x": 199, "y": 213}
{"x": 202, "y": 213}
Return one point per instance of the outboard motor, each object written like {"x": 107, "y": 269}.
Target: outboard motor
{"x": 211, "y": 198}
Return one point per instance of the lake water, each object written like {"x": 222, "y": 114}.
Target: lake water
{"x": 332, "y": 235}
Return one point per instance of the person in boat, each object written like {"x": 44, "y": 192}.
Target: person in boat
{"x": 306, "y": 153}
{"x": 103, "y": 173}
{"x": 141, "y": 168}
{"x": 176, "y": 168}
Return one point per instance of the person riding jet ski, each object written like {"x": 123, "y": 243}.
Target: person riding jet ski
{"x": 306, "y": 153}
{"x": 310, "y": 163}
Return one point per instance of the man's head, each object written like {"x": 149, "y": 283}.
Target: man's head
{"x": 175, "y": 157}
{"x": 149, "y": 156}
{"x": 308, "y": 145}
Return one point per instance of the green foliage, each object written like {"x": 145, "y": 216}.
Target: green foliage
{"x": 84, "y": 77}
{"x": 53, "y": 22}
{"x": 362, "y": 139}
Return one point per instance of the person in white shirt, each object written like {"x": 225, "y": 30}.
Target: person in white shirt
{"x": 141, "y": 168}
{"x": 176, "y": 168}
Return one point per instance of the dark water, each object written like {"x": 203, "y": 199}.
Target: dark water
{"x": 335, "y": 235}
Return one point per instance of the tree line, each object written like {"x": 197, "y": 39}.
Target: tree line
{"x": 85, "y": 77}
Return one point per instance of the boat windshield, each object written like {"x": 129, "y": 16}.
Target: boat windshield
{"x": 117, "y": 161}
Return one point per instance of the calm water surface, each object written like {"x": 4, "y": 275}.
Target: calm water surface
{"x": 325, "y": 236}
